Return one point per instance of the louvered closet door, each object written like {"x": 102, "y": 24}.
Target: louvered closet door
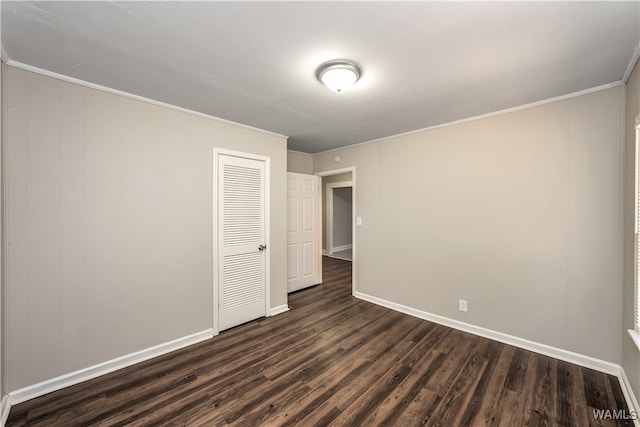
{"x": 241, "y": 204}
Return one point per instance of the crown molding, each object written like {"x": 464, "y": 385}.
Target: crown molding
{"x": 482, "y": 116}
{"x": 631, "y": 64}
{"x": 106, "y": 89}
{"x": 299, "y": 152}
{"x": 112, "y": 91}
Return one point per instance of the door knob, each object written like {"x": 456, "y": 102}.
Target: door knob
{"x": 262, "y": 247}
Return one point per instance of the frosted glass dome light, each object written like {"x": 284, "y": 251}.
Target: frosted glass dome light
{"x": 338, "y": 75}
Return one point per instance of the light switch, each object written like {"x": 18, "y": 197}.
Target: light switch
{"x": 359, "y": 220}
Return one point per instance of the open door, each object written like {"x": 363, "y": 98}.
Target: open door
{"x": 304, "y": 254}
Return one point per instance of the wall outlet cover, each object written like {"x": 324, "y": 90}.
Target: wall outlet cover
{"x": 462, "y": 305}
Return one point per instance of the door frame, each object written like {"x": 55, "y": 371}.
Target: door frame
{"x": 215, "y": 180}
{"x": 330, "y": 186}
{"x": 354, "y": 252}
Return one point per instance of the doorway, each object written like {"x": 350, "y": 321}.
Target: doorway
{"x": 339, "y": 223}
{"x": 339, "y": 217}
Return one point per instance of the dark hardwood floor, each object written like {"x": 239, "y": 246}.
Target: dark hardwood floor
{"x": 336, "y": 360}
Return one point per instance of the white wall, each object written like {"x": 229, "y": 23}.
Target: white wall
{"x": 342, "y": 216}
{"x": 519, "y": 213}
{"x": 631, "y": 354}
{"x": 110, "y": 224}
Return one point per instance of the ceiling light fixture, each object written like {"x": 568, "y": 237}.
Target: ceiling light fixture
{"x": 338, "y": 75}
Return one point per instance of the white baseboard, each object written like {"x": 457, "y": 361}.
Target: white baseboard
{"x": 279, "y": 309}
{"x": 342, "y": 248}
{"x": 48, "y": 386}
{"x": 547, "y": 350}
{"x": 5, "y": 408}
{"x": 53, "y": 384}
{"x": 629, "y": 396}
{"x": 325, "y": 252}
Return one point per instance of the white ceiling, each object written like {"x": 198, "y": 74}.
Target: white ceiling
{"x": 424, "y": 63}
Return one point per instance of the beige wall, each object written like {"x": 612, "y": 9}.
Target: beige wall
{"x": 520, "y": 214}
{"x": 342, "y": 177}
{"x": 631, "y": 355}
{"x": 299, "y": 163}
{"x": 110, "y": 224}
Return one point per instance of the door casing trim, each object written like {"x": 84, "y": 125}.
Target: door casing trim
{"x": 354, "y": 193}
{"x": 329, "y": 191}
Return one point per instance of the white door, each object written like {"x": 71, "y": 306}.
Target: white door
{"x": 242, "y": 244}
{"x": 304, "y": 257}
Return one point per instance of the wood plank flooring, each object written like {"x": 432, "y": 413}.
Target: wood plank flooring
{"x": 335, "y": 360}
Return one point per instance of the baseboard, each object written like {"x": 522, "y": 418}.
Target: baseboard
{"x": 48, "y": 386}
{"x": 279, "y": 309}
{"x": 629, "y": 396}
{"x": 5, "y": 408}
{"x": 342, "y": 248}
{"x": 325, "y": 252}
{"x": 547, "y": 350}
{"x": 557, "y": 353}
{"x": 76, "y": 377}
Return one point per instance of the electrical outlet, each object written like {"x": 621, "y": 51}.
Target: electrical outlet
{"x": 462, "y": 305}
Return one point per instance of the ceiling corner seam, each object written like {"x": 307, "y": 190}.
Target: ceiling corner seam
{"x": 133, "y": 96}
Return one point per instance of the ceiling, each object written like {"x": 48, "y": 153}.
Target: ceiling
{"x": 424, "y": 63}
